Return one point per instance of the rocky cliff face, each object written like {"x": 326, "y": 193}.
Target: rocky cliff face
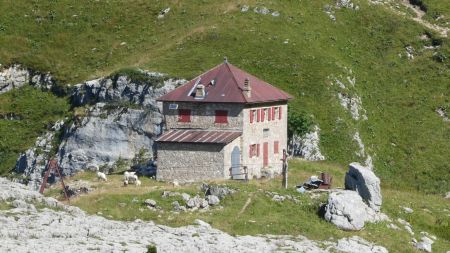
{"x": 307, "y": 146}
{"x": 17, "y": 76}
{"x": 117, "y": 118}
{"x": 123, "y": 120}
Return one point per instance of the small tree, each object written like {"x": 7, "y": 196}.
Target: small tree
{"x": 299, "y": 123}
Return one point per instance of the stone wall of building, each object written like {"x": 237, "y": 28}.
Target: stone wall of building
{"x": 276, "y": 130}
{"x": 203, "y": 115}
{"x": 187, "y": 162}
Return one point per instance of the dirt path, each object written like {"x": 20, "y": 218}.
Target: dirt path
{"x": 419, "y": 18}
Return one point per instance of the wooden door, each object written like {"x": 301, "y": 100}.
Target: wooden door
{"x": 265, "y": 154}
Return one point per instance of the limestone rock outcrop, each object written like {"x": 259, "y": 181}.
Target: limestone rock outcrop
{"x": 122, "y": 123}
{"x": 28, "y": 228}
{"x": 307, "y": 146}
{"x": 347, "y": 210}
{"x": 366, "y": 183}
{"x": 16, "y": 76}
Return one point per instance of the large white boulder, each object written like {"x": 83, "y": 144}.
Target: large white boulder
{"x": 347, "y": 211}
{"x": 366, "y": 183}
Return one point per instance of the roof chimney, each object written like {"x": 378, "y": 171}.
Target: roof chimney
{"x": 200, "y": 91}
{"x": 247, "y": 88}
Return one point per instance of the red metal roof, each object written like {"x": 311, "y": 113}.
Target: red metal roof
{"x": 227, "y": 88}
{"x": 199, "y": 136}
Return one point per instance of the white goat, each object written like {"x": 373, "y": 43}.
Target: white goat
{"x": 125, "y": 182}
{"x": 101, "y": 176}
{"x": 128, "y": 175}
{"x": 138, "y": 182}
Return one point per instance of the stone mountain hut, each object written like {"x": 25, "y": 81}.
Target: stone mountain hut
{"x": 222, "y": 124}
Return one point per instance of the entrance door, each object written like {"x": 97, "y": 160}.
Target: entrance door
{"x": 236, "y": 164}
{"x": 265, "y": 154}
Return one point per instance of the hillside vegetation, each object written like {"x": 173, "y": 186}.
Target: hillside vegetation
{"x": 301, "y": 51}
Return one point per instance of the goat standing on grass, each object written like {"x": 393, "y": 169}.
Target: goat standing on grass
{"x": 100, "y": 175}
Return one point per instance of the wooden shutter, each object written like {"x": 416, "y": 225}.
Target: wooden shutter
{"x": 258, "y": 115}
{"x": 250, "y": 151}
{"x": 257, "y": 150}
{"x": 273, "y": 113}
{"x": 275, "y": 147}
{"x": 279, "y": 112}
{"x": 262, "y": 115}
{"x": 184, "y": 115}
{"x": 221, "y": 116}
{"x": 251, "y": 116}
{"x": 269, "y": 114}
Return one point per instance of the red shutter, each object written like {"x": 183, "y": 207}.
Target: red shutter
{"x": 250, "y": 151}
{"x": 275, "y": 147}
{"x": 184, "y": 115}
{"x": 279, "y": 111}
{"x": 258, "y": 115}
{"x": 251, "y": 116}
{"x": 269, "y": 114}
{"x": 257, "y": 150}
{"x": 221, "y": 116}
{"x": 273, "y": 113}
{"x": 262, "y": 115}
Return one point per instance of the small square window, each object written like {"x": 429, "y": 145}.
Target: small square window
{"x": 266, "y": 132}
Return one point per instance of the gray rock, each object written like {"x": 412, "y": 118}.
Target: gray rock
{"x": 357, "y": 245}
{"x": 347, "y": 211}
{"x": 109, "y": 132}
{"x": 278, "y": 198}
{"x": 448, "y": 195}
{"x": 73, "y": 229}
{"x": 16, "y": 76}
{"x": 245, "y": 8}
{"x": 407, "y": 209}
{"x": 150, "y": 202}
{"x": 217, "y": 190}
{"x": 185, "y": 196}
{"x": 204, "y": 203}
{"x": 424, "y": 245}
{"x": 366, "y": 183}
{"x": 307, "y": 146}
{"x": 194, "y": 202}
{"x": 213, "y": 200}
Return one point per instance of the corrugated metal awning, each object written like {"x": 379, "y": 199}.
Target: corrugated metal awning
{"x": 199, "y": 136}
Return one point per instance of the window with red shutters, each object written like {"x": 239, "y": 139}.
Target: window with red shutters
{"x": 279, "y": 111}
{"x": 221, "y": 116}
{"x": 262, "y": 115}
{"x": 258, "y": 115}
{"x": 269, "y": 114}
{"x": 251, "y": 116}
{"x": 275, "y": 147}
{"x": 273, "y": 113}
{"x": 184, "y": 115}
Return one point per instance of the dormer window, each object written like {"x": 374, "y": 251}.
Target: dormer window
{"x": 221, "y": 117}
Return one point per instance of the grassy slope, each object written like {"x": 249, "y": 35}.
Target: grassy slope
{"x": 38, "y": 110}
{"x": 264, "y": 216}
{"x": 408, "y": 140}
